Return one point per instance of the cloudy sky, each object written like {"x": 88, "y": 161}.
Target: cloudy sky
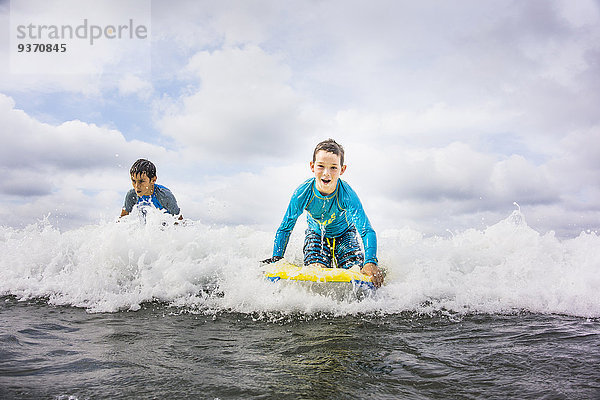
{"x": 450, "y": 112}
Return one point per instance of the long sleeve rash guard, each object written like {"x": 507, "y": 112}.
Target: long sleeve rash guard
{"x": 335, "y": 213}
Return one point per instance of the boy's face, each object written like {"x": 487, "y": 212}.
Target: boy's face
{"x": 142, "y": 185}
{"x": 327, "y": 170}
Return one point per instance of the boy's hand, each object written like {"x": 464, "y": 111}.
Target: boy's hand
{"x": 375, "y": 273}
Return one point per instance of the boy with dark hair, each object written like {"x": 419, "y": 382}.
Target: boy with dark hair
{"x": 146, "y": 192}
{"x": 335, "y": 218}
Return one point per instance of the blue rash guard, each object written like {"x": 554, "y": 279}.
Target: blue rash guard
{"x": 336, "y": 213}
{"x": 161, "y": 198}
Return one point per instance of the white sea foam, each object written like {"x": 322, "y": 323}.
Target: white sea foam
{"x": 120, "y": 266}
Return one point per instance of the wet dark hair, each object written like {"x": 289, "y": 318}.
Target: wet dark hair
{"x": 330, "y": 146}
{"x": 143, "y": 166}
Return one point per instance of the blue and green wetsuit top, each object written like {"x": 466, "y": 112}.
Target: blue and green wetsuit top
{"x": 161, "y": 198}
{"x": 335, "y": 213}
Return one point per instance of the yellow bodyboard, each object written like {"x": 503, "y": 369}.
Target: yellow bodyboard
{"x": 286, "y": 270}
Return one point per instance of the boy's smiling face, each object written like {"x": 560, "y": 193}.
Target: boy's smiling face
{"x": 327, "y": 170}
{"x": 142, "y": 184}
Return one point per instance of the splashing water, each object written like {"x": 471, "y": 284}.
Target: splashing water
{"x": 119, "y": 266}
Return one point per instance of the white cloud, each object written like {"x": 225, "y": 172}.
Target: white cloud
{"x": 30, "y": 144}
{"x": 583, "y": 13}
{"x": 450, "y": 187}
{"x": 258, "y": 199}
{"x": 134, "y": 85}
{"x": 243, "y": 108}
{"x": 436, "y": 125}
{"x": 72, "y": 200}
{"x": 519, "y": 180}
{"x": 576, "y": 170}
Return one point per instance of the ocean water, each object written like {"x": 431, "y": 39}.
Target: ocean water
{"x": 149, "y": 310}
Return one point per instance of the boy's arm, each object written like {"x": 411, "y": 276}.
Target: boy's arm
{"x": 370, "y": 243}
{"x": 130, "y": 200}
{"x": 294, "y": 210}
{"x": 369, "y": 239}
{"x": 285, "y": 229}
{"x": 363, "y": 225}
{"x": 168, "y": 201}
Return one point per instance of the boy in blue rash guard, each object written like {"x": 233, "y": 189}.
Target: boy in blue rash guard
{"x": 335, "y": 218}
{"x": 146, "y": 192}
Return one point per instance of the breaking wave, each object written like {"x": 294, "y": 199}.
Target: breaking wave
{"x": 112, "y": 267}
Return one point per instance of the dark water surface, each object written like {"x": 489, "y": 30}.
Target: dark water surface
{"x": 160, "y": 352}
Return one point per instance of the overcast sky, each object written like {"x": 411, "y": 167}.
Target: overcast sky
{"x": 450, "y": 112}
